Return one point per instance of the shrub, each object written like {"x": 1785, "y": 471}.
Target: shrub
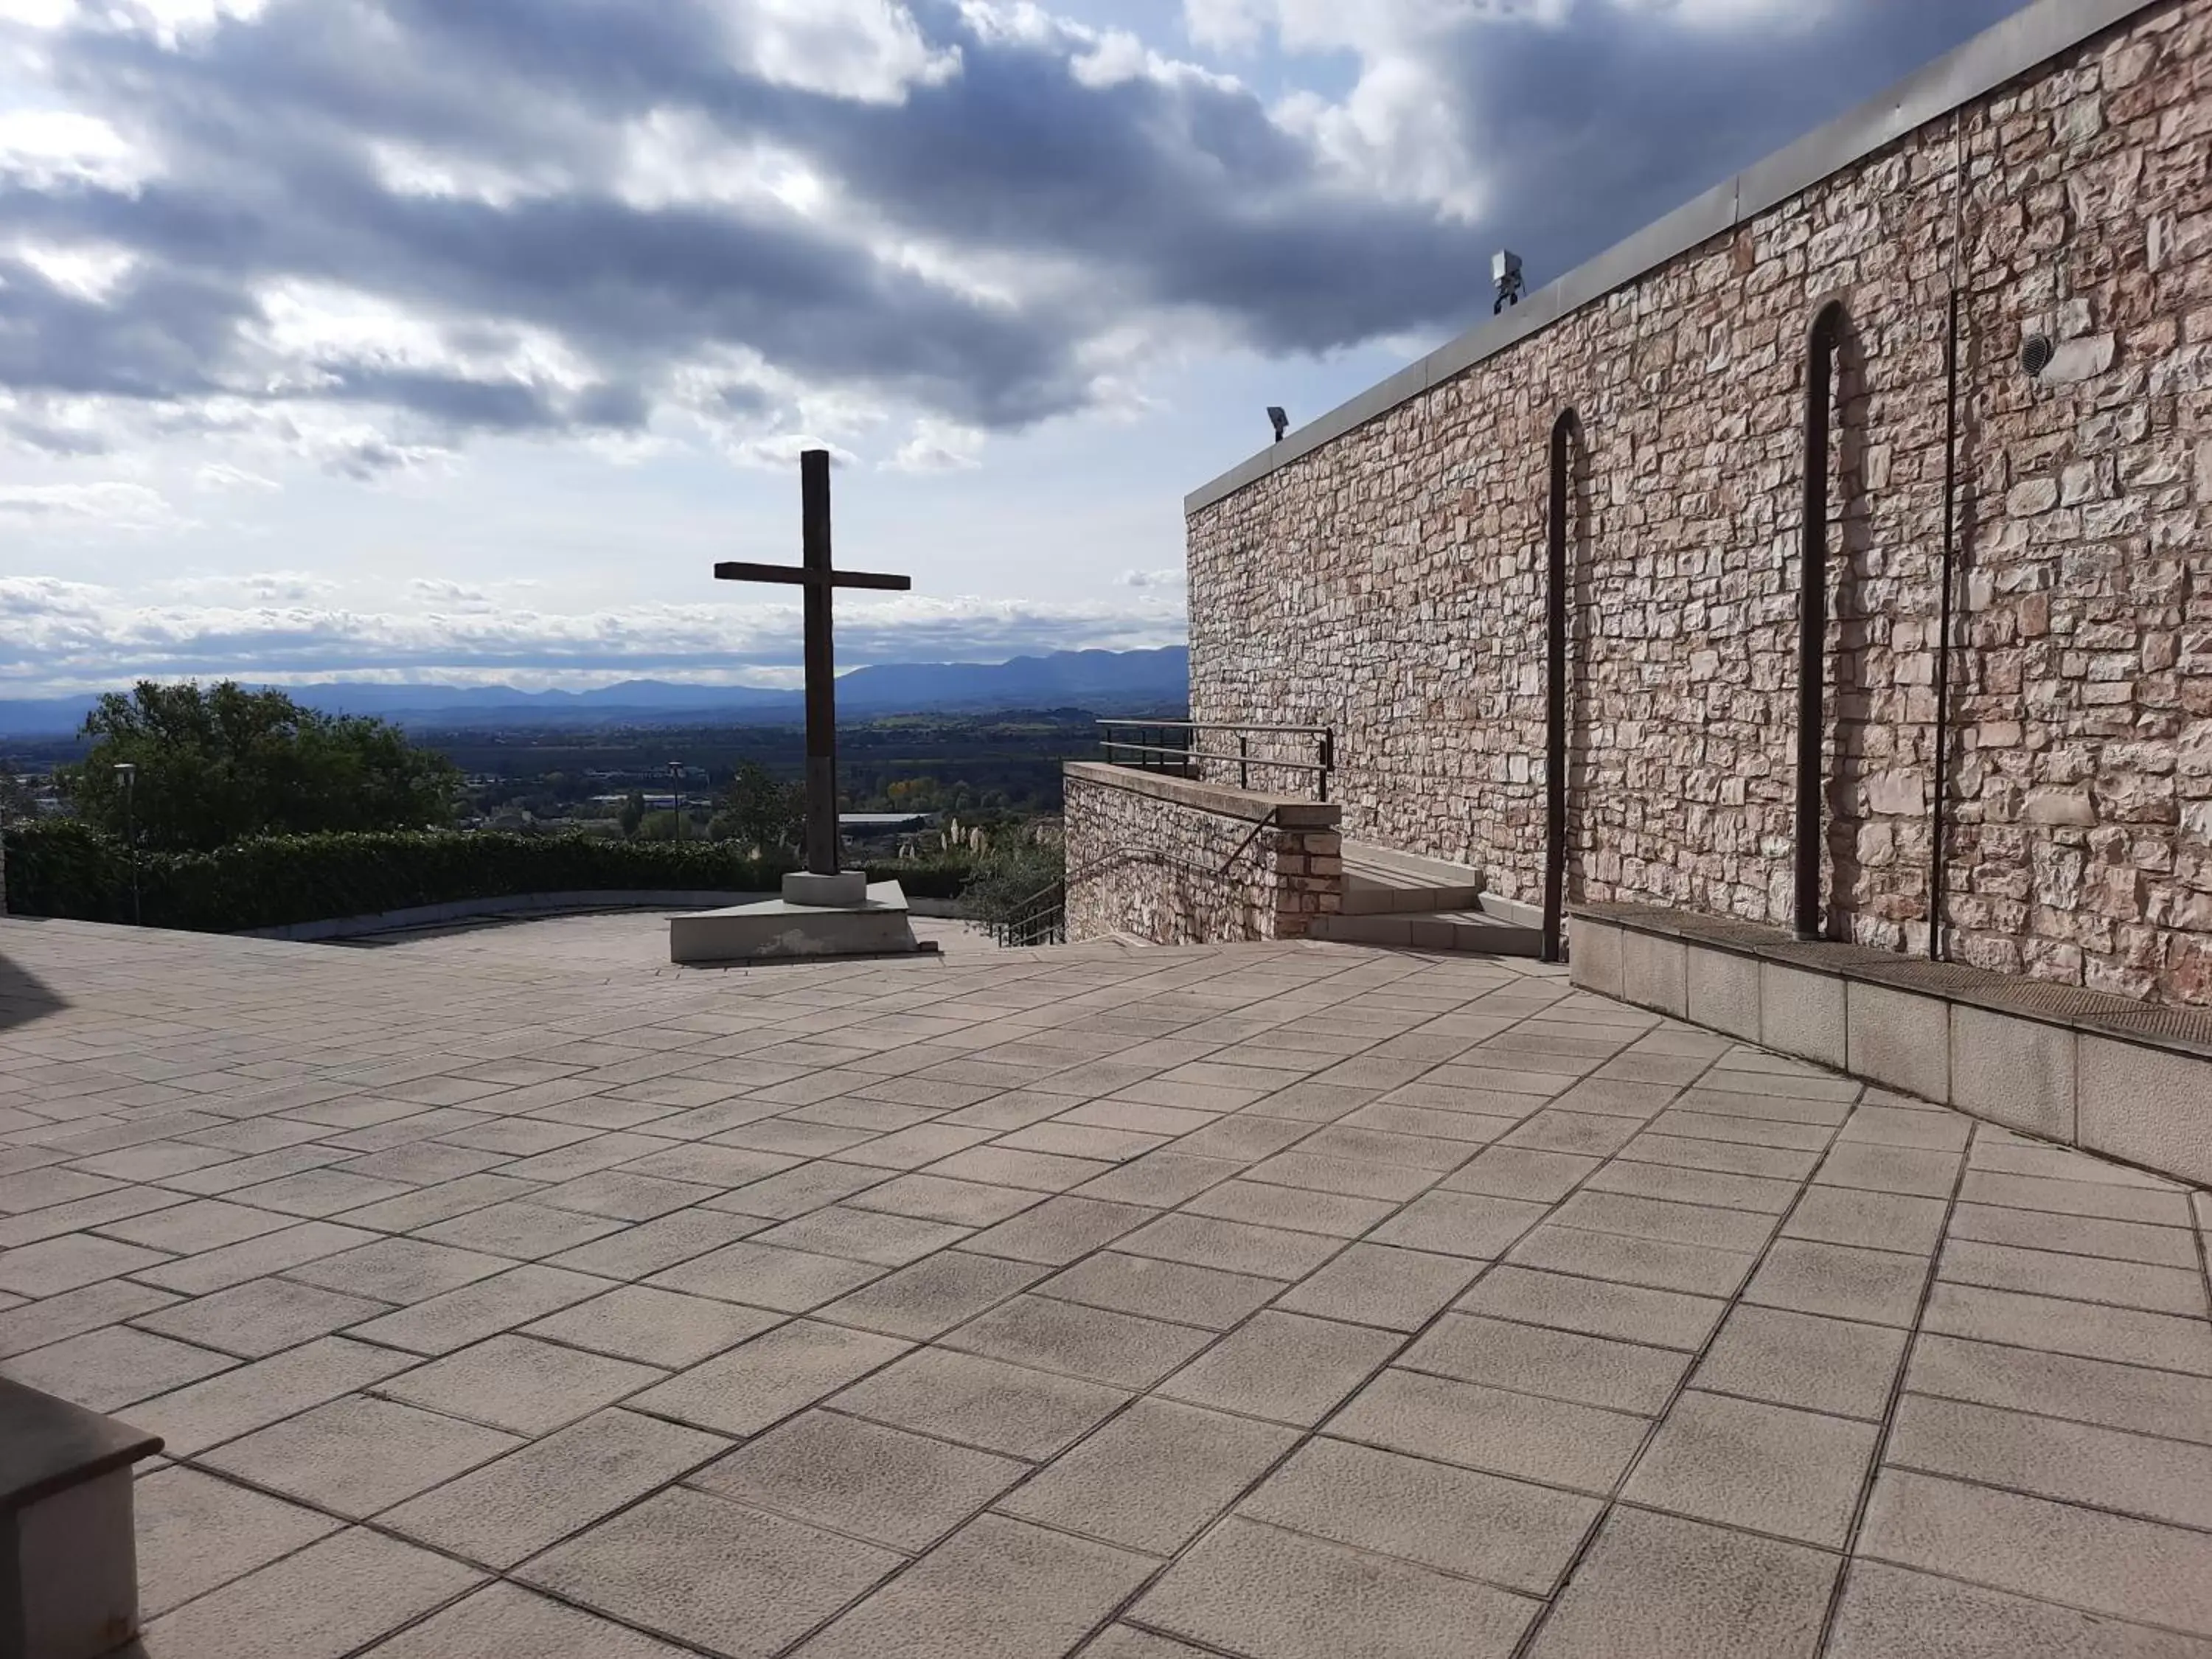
{"x": 67, "y": 868}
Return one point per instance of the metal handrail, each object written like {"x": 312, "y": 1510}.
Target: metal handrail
{"x": 1186, "y": 759}
{"x": 1218, "y": 726}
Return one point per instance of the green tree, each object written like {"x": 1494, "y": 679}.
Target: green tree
{"x": 17, "y": 803}
{"x": 214, "y": 765}
{"x": 633, "y": 812}
{"x": 760, "y": 810}
{"x": 657, "y": 826}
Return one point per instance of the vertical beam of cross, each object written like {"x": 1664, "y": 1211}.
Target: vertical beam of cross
{"x": 816, "y": 577}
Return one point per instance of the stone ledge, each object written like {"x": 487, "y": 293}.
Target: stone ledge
{"x": 2081, "y": 1067}
{"x": 1214, "y": 798}
{"x": 2184, "y": 1030}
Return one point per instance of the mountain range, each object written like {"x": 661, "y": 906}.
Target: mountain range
{"x": 1105, "y": 682}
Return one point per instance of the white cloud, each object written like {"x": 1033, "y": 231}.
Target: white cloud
{"x": 61, "y": 634}
{"x": 220, "y": 475}
{"x": 110, "y": 505}
{"x": 939, "y": 446}
{"x": 1151, "y": 579}
{"x": 869, "y": 50}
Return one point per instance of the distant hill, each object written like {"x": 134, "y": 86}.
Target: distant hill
{"x": 1106, "y": 682}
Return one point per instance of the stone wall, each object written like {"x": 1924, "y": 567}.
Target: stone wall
{"x": 1390, "y": 583}
{"x": 1178, "y": 862}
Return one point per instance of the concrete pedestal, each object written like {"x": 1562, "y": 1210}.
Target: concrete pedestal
{"x": 69, "y": 1577}
{"x": 778, "y": 930}
{"x": 845, "y": 889}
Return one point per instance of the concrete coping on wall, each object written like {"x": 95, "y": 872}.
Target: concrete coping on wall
{"x": 2084, "y": 1068}
{"x": 1287, "y": 813}
{"x": 2000, "y": 54}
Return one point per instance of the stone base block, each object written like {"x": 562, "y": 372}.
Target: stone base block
{"x": 845, "y": 890}
{"x": 778, "y": 930}
{"x": 69, "y": 1564}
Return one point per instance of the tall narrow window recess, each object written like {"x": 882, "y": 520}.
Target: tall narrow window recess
{"x": 1821, "y": 347}
{"x": 1566, "y": 435}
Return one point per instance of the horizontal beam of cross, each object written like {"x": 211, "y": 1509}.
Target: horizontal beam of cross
{"x": 799, "y": 575}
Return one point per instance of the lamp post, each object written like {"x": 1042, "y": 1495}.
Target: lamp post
{"x": 676, "y": 795}
{"x": 126, "y": 774}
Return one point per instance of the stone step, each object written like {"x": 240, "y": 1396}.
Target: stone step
{"x": 1381, "y": 881}
{"x": 1443, "y": 930}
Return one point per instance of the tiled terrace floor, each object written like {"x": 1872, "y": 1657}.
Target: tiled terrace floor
{"x": 1292, "y": 1302}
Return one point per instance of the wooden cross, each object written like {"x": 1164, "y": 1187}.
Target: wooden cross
{"x": 816, "y": 577}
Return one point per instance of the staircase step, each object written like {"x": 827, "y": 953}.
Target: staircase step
{"x": 1381, "y": 881}
{"x": 1445, "y": 930}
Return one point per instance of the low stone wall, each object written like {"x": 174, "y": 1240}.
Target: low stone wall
{"x": 1178, "y": 862}
{"x": 2084, "y": 1068}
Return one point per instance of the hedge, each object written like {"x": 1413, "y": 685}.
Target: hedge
{"x": 68, "y": 869}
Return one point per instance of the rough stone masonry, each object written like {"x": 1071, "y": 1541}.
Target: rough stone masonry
{"x": 1390, "y": 582}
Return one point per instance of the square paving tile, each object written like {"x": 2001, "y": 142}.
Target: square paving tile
{"x": 260, "y": 1317}
{"x": 704, "y": 1570}
{"x": 1230, "y": 1246}
{"x": 1098, "y": 1343}
{"x": 398, "y": 1270}
{"x": 1255, "y": 1589}
{"x": 1061, "y": 1230}
{"x": 999, "y": 1588}
{"x": 982, "y": 1402}
{"x": 1804, "y": 1359}
{"x": 1154, "y": 1477}
{"x": 1792, "y": 1473}
{"x": 230, "y": 1403}
{"x": 510, "y": 1510}
{"x": 335, "y": 1595}
{"x": 1458, "y": 1521}
{"x": 1559, "y": 1365}
{"x": 936, "y": 1293}
{"x": 70, "y": 1262}
{"x": 357, "y": 1457}
{"x": 1886, "y": 1611}
{"x": 653, "y": 1327}
{"x": 506, "y": 1621}
{"x": 862, "y": 1479}
{"x": 771, "y": 1377}
{"x": 1286, "y": 1367}
{"x": 196, "y": 1532}
{"x": 440, "y": 1324}
{"x": 1206, "y": 1297}
{"x": 1662, "y": 1587}
{"x": 1554, "y": 1441}
{"x": 789, "y": 1281}
{"x": 889, "y": 1240}
{"x": 1633, "y": 1313}
{"x": 516, "y": 1383}
{"x": 1878, "y": 1286}
{"x": 2106, "y": 1564}
{"x": 105, "y": 1370}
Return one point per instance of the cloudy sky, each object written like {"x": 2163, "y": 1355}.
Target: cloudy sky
{"x": 455, "y": 339}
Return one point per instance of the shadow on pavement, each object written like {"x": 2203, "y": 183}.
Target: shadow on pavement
{"x": 25, "y": 997}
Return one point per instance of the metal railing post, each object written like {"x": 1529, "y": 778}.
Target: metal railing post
{"x": 1243, "y": 759}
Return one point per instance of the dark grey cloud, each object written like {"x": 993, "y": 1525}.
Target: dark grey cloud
{"x": 1147, "y": 196}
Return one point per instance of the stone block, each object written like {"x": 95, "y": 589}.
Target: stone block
{"x": 778, "y": 928}
{"x": 1724, "y": 992}
{"x": 1899, "y": 1038}
{"x": 1653, "y": 973}
{"x": 1801, "y": 1013}
{"x": 2146, "y": 1105}
{"x": 2019, "y": 1072}
{"x": 1594, "y": 958}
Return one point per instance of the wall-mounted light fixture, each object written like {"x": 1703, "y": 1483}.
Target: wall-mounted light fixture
{"x": 1505, "y": 277}
{"x": 1279, "y": 421}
